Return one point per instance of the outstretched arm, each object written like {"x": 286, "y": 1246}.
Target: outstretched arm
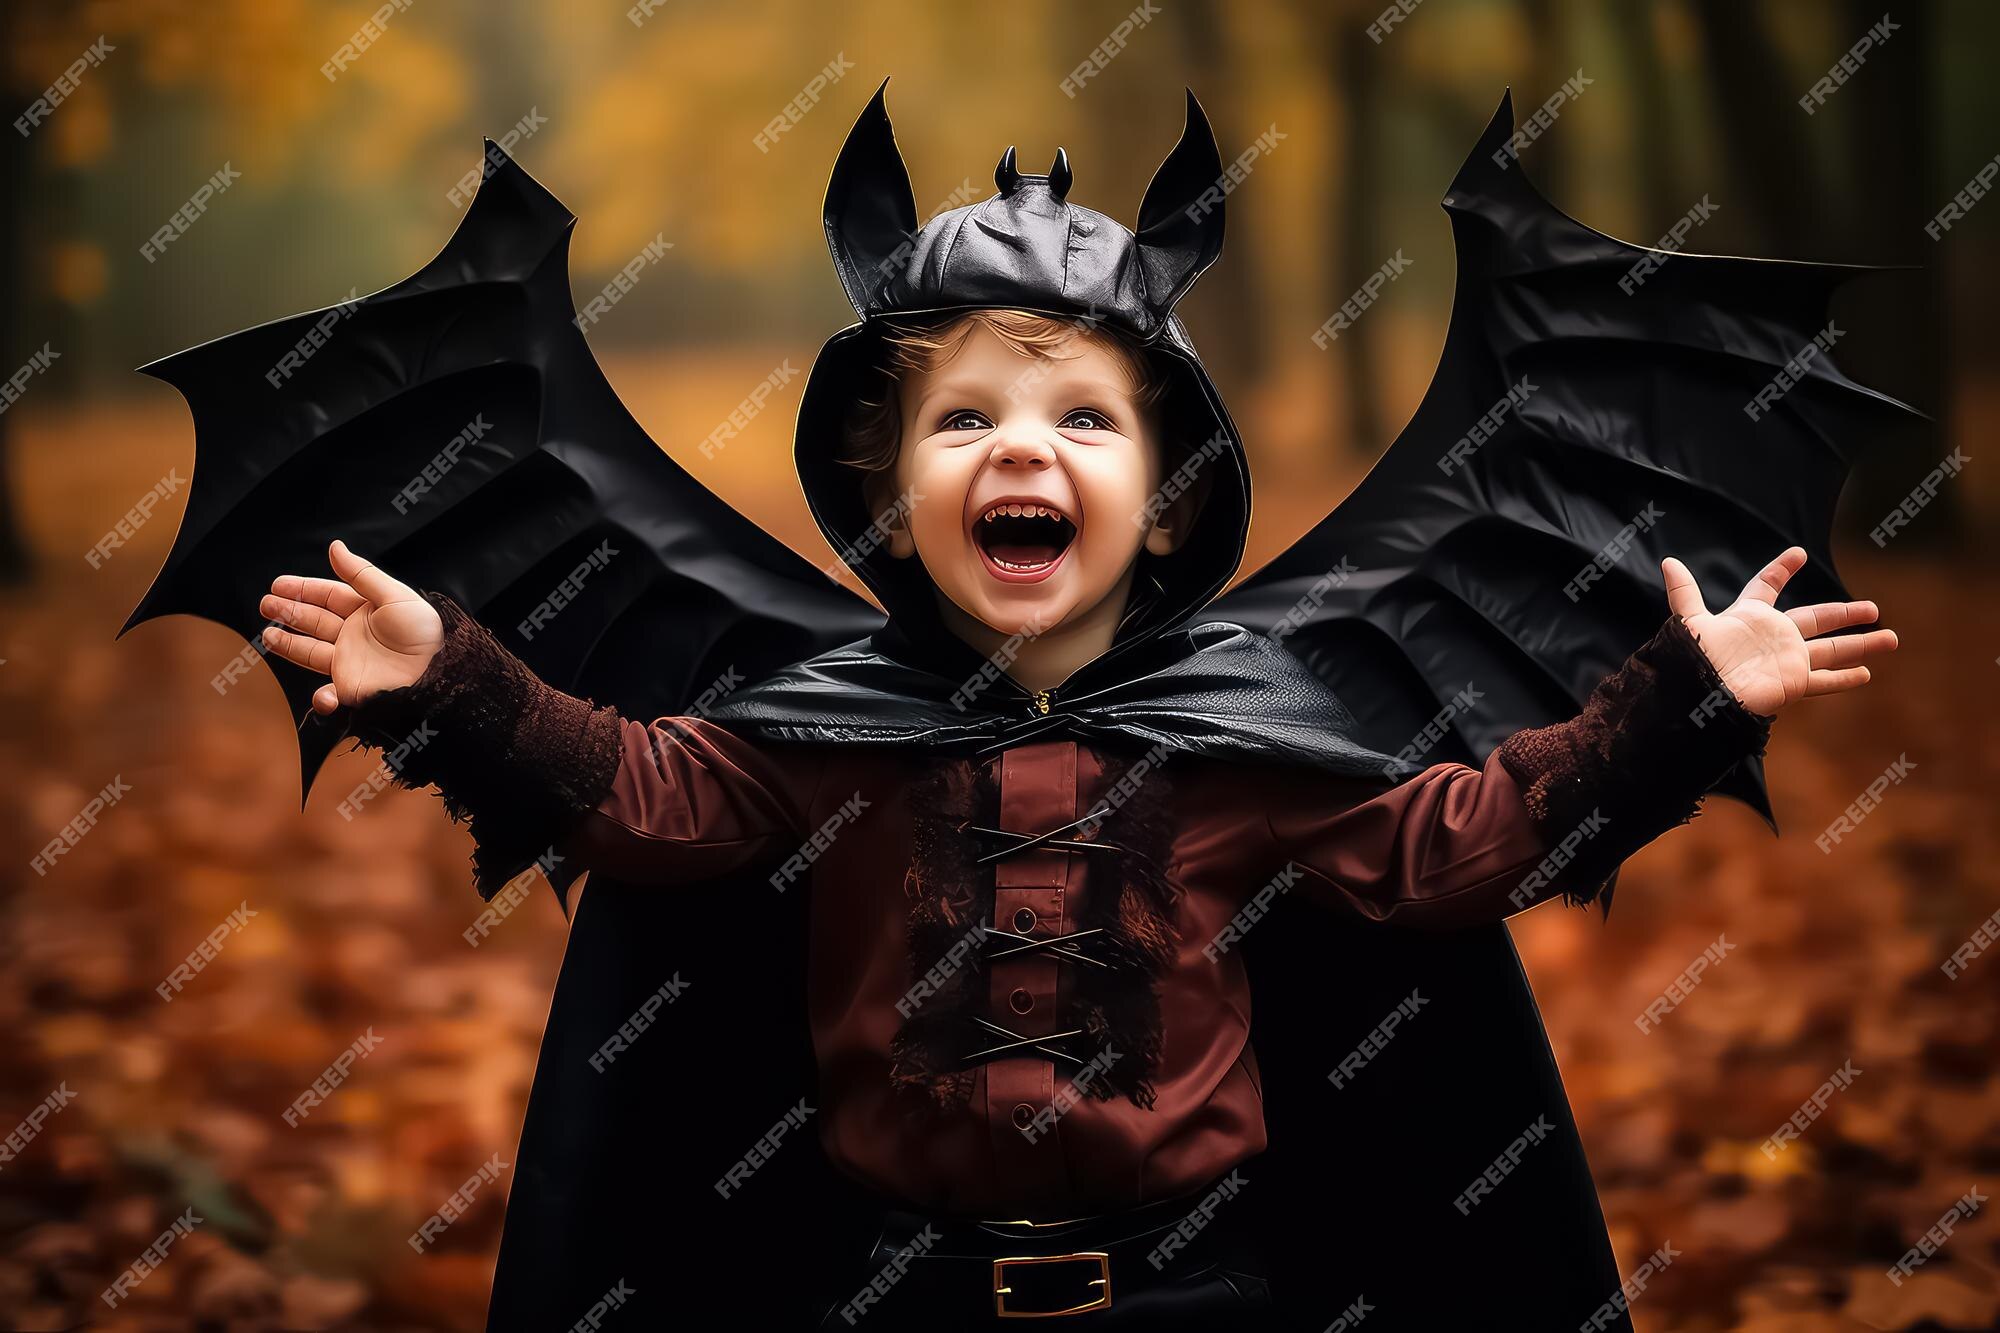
{"x": 1557, "y": 809}
{"x": 533, "y": 769}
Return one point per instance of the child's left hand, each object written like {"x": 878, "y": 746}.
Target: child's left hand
{"x": 1763, "y": 654}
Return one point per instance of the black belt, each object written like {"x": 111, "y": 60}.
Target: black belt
{"x": 959, "y": 1272}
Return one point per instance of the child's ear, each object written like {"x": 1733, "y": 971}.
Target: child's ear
{"x": 1176, "y": 521}
{"x": 879, "y": 489}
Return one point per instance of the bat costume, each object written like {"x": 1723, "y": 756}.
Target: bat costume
{"x": 903, "y": 996}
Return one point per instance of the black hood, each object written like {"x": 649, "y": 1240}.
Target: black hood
{"x": 1209, "y": 689}
{"x": 1024, "y": 248}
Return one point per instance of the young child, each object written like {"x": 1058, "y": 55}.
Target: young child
{"x": 1025, "y": 1050}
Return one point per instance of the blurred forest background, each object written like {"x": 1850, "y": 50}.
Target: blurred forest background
{"x": 643, "y": 121}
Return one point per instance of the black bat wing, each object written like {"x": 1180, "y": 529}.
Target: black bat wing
{"x": 456, "y": 429}
{"x": 1585, "y": 420}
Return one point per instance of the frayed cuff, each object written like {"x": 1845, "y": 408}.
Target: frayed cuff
{"x": 1653, "y": 738}
{"x": 517, "y": 759}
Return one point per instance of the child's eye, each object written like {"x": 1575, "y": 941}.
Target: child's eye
{"x": 966, "y": 419}
{"x": 1087, "y": 418}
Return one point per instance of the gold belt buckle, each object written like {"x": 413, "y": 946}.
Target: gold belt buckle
{"x": 1102, "y": 1280}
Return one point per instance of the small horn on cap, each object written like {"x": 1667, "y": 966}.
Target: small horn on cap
{"x": 1007, "y": 175}
{"x": 1059, "y": 176}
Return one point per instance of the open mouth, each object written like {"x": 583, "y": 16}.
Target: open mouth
{"x": 1024, "y": 541}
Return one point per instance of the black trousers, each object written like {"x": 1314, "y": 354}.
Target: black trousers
{"x": 1185, "y": 1263}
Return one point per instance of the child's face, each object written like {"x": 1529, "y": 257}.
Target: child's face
{"x": 989, "y": 434}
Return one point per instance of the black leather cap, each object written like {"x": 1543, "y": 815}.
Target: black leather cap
{"x": 1026, "y": 247}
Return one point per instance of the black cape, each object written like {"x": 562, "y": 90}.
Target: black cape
{"x": 1426, "y": 579}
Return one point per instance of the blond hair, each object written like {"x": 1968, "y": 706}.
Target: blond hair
{"x": 871, "y": 435}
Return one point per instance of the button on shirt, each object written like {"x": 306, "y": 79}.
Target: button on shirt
{"x": 1447, "y": 847}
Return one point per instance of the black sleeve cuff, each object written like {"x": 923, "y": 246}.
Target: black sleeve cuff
{"x": 1652, "y": 739}
{"x": 517, "y": 759}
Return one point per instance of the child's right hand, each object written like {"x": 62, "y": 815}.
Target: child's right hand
{"x": 366, "y": 630}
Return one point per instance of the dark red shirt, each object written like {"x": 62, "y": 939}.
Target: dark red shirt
{"x": 1445, "y": 848}
{"x": 680, "y": 800}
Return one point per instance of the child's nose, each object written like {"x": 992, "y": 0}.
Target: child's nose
{"x": 1022, "y": 448}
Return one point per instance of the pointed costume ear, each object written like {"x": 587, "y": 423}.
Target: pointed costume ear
{"x": 870, "y": 211}
{"x": 1180, "y": 222}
